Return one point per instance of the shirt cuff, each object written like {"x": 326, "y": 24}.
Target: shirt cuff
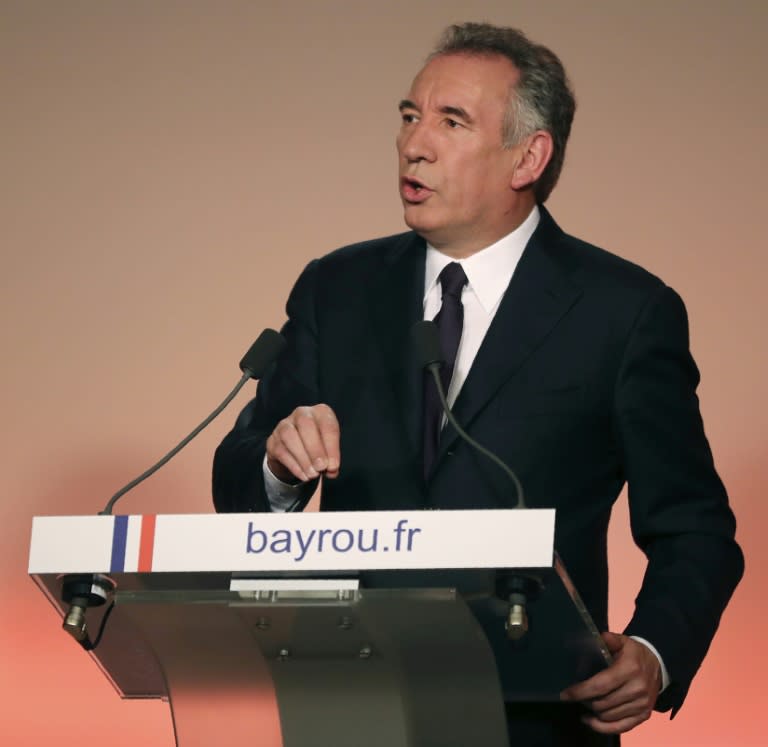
{"x": 664, "y": 673}
{"x": 282, "y": 496}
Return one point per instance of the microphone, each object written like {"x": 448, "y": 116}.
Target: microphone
{"x": 254, "y": 364}
{"x": 518, "y": 589}
{"x": 82, "y": 591}
{"x": 262, "y": 354}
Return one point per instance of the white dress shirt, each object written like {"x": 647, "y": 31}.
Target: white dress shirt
{"x": 488, "y": 272}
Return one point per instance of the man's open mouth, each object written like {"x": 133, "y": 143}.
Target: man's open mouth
{"x": 414, "y": 190}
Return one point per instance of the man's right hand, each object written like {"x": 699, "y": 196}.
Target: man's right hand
{"x": 305, "y": 445}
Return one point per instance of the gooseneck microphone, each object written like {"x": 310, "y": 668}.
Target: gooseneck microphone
{"x": 517, "y": 589}
{"x": 82, "y": 591}
{"x": 427, "y": 346}
{"x": 254, "y": 364}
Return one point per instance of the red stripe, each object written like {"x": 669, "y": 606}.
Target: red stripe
{"x": 147, "y": 544}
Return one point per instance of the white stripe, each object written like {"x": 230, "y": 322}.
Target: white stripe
{"x": 132, "y": 540}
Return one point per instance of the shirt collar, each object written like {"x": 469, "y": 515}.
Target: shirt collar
{"x": 489, "y": 270}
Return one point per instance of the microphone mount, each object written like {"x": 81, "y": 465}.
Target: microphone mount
{"x": 82, "y": 591}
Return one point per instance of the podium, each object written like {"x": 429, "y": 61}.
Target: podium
{"x": 384, "y": 629}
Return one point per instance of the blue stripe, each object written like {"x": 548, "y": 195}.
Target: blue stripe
{"x": 119, "y": 536}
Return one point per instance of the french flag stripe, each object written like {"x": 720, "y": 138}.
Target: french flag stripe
{"x": 132, "y": 543}
{"x": 119, "y": 533}
{"x": 147, "y": 543}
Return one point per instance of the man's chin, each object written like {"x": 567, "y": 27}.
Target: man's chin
{"x": 417, "y": 221}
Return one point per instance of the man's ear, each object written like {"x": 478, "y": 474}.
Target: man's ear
{"x": 534, "y": 154}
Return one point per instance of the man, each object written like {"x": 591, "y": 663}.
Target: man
{"x": 572, "y": 365}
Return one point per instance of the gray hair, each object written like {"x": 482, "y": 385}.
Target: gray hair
{"x": 542, "y": 98}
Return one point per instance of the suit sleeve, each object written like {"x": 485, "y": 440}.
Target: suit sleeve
{"x": 679, "y": 509}
{"x": 238, "y": 481}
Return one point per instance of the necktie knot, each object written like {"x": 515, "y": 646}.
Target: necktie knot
{"x": 452, "y": 280}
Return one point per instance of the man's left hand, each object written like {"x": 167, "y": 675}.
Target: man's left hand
{"x": 623, "y": 695}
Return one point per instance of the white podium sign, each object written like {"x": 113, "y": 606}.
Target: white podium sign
{"x": 308, "y": 542}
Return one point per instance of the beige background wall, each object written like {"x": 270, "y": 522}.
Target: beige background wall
{"x": 169, "y": 167}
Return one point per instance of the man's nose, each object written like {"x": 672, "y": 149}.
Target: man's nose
{"x": 417, "y": 144}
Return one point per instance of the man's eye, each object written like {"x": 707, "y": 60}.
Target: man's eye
{"x": 408, "y": 118}
{"x": 452, "y": 123}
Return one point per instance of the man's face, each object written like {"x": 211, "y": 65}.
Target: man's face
{"x": 454, "y": 171}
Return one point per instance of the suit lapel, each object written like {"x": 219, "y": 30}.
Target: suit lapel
{"x": 540, "y": 293}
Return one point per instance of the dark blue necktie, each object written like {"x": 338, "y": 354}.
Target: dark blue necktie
{"x": 449, "y": 321}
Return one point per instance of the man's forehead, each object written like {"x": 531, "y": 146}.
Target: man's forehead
{"x": 461, "y": 81}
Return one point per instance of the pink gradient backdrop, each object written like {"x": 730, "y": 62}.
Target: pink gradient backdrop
{"x": 168, "y": 169}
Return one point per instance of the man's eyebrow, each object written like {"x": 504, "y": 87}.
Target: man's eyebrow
{"x": 457, "y": 111}
{"x": 453, "y": 111}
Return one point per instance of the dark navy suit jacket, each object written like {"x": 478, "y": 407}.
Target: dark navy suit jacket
{"x": 583, "y": 382}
